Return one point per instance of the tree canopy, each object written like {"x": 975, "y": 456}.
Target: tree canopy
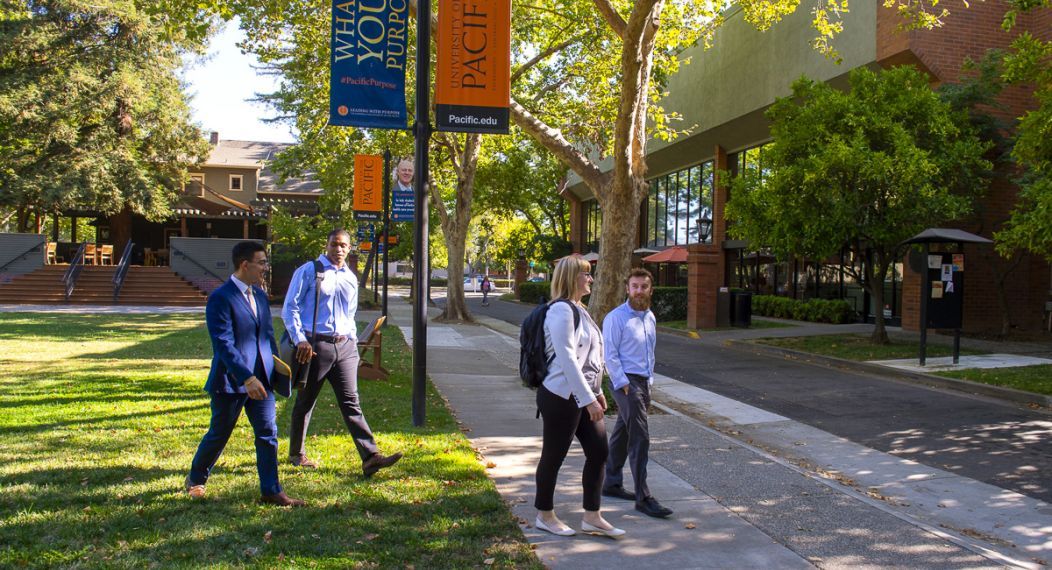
{"x": 863, "y": 170}
{"x": 590, "y": 77}
{"x": 92, "y": 114}
{"x": 1030, "y": 61}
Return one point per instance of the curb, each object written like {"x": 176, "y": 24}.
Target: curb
{"x": 1001, "y": 393}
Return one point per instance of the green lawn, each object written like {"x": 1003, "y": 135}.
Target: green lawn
{"x": 1037, "y": 379}
{"x": 756, "y": 324}
{"x": 857, "y": 347}
{"x": 101, "y": 416}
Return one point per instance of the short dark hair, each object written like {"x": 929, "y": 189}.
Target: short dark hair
{"x": 245, "y": 251}
{"x": 336, "y": 232}
{"x": 639, "y": 272}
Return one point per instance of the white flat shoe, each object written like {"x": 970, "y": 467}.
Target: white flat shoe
{"x": 614, "y": 532}
{"x": 557, "y": 532}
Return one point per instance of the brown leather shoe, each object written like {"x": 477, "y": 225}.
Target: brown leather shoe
{"x": 304, "y": 462}
{"x": 195, "y": 491}
{"x": 379, "y": 461}
{"x": 281, "y": 500}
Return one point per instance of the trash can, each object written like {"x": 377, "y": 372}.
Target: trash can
{"x": 723, "y": 308}
{"x": 741, "y": 309}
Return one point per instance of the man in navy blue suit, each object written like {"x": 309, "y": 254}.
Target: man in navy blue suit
{"x": 238, "y": 318}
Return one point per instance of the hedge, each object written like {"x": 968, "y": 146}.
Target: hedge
{"x": 669, "y": 303}
{"x": 836, "y": 311}
{"x": 435, "y": 281}
{"x": 532, "y": 291}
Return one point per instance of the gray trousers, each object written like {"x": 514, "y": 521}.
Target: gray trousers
{"x": 630, "y": 438}
{"x": 339, "y": 364}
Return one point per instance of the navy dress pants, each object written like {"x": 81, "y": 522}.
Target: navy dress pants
{"x": 226, "y": 409}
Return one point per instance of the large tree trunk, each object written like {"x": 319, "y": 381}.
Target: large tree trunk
{"x": 874, "y": 284}
{"x": 617, "y": 239}
{"x": 621, "y": 190}
{"x": 456, "y": 308}
{"x": 455, "y": 223}
{"x": 1002, "y": 268}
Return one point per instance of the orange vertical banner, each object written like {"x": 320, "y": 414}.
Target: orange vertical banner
{"x": 473, "y": 77}
{"x": 368, "y": 186}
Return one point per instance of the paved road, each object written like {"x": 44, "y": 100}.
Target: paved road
{"x": 998, "y": 443}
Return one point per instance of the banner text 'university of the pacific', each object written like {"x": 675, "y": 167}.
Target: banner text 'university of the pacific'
{"x": 367, "y": 64}
{"x": 473, "y": 72}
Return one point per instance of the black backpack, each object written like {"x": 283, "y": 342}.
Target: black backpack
{"x": 533, "y": 362}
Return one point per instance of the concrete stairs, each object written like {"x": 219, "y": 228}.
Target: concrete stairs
{"x": 142, "y": 286}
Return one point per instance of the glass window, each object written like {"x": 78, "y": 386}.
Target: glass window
{"x": 669, "y": 216}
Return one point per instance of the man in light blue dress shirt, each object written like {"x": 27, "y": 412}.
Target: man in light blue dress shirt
{"x": 334, "y": 353}
{"x": 629, "y": 337}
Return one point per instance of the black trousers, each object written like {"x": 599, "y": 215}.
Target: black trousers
{"x": 339, "y": 364}
{"x": 630, "y": 438}
{"x": 563, "y": 420}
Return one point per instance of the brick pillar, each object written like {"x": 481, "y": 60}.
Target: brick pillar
{"x": 520, "y": 274}
{"x": 704, "y": 278}
{"x": 911, "y": 291}
{"x": 576, "y": 221}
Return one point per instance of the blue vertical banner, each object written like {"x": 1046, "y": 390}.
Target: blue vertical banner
{"x": 367, "y": 64}
{"x": 403, "y": 205}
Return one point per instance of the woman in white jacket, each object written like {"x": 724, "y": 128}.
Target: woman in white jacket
{"x": 571, "y": 399}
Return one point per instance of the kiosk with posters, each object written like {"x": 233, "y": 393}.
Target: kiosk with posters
{"x": 942, "y": 285}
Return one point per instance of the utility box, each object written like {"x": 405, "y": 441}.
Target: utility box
{"x": 723, "y": 307}
{"x": 741, "y": 309}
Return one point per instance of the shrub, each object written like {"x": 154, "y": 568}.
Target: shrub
{"x": 532, "y": 291}
{"x": 669, "y": 303}
{"x": 836, "y": 311}
{"x": 435, "y": 281}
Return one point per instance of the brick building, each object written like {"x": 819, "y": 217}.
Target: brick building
{"x": 726, "y": 90}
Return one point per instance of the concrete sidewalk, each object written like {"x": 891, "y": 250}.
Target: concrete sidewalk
{"x": 740, "y": 500}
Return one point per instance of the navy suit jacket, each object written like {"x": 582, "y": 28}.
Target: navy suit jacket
{"x": 242, "y": 344}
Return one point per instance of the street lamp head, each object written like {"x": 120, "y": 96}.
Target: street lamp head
{"x": 522, "y": 253}
{"x": 704, "y": 229}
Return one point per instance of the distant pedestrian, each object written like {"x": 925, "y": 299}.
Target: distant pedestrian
{"x": 571, "y": 401}
{"x": 242, "y": 375}
{"x": 629, "y": 336}
{"x": 487, "y": 286}
{"x": 334, "y": 356}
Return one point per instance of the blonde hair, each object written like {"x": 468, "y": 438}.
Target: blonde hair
{"x": 564, "y": 278}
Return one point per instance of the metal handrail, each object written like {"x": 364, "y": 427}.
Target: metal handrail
{"x": 122, "y": 270}
{"x": 195, "y": 262}
{"x": 22, "y": 255}
{"x": 75, "y": 266}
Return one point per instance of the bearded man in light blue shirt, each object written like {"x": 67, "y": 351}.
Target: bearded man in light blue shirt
{"x": 629, "y": 337}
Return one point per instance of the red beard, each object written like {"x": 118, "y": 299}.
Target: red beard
{"x": 639, "y": 302}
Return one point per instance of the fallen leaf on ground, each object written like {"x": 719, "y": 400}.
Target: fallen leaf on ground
{"x": 268, "y": 536}
{"x": 489, "y": 561}
{"x": 490, "y": 465}
{"x": 690, "y": 525}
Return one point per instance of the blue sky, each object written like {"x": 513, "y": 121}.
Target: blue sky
{"x": 221, "y": 86}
